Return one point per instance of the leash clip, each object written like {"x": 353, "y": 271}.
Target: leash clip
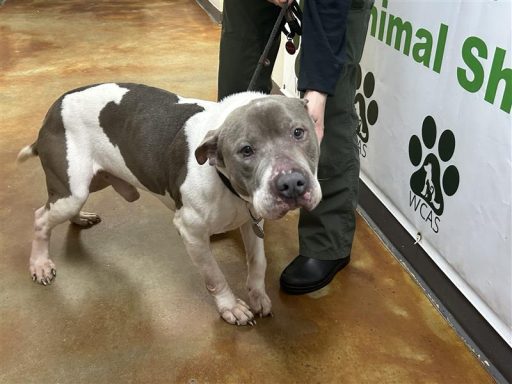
{"x": 292, "y": 23}
{"x": 291, "y": 26}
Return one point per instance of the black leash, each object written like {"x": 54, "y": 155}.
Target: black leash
{"x": 263, "y": 61}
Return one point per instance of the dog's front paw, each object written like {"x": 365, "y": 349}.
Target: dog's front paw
{"x": 239, "y": 314}
{"x": 43, "y": 271}
{"x": 260, "y": 302}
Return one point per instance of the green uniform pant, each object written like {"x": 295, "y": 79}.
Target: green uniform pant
{"x": 327, "y": 231}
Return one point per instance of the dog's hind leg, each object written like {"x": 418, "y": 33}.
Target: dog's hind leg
{"x": 68, "y": 166}
{"x": 64, "y": 203}
{"x": 42, "y": 269}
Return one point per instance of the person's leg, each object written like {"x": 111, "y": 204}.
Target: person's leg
{"x": 246, "y": 27}
{"x": 326, "y": 233}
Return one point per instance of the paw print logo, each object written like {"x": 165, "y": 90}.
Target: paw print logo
{"x": 429, "y": 181}
{"x": 368, "y": 114}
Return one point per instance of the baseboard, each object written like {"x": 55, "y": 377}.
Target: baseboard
{"x": 488, "y": 345}
{"x": 211, "y": 10}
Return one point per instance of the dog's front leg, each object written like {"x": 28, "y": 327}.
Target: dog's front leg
{"x": 231, "y": 309}
{"x": 256, "y": 268}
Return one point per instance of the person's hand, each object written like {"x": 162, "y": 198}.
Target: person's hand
{"x": 316, "y": 109}
{"x": 279, "y": 3}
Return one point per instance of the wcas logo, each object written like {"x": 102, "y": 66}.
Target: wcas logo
{"x": 434, "y": 178}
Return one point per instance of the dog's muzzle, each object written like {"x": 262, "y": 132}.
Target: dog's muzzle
{"x": 292, "y": 189}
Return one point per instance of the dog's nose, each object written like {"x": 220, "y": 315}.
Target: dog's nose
{"x": 291, "y": 185}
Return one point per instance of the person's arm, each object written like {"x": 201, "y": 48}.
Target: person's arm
{"x": 324, "y": 27}
{"x": 322, "y": 54}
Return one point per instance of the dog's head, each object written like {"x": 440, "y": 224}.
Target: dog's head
{"x": 269, "y": 151}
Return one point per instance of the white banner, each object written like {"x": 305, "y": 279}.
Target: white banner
{"x": 435, "y": 138}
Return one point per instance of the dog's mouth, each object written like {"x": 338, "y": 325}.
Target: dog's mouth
{"x": 279, "y": 206}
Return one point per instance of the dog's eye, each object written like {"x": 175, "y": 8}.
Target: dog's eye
{"x": 247, "y": 151}
{"x": 298, "y": 133}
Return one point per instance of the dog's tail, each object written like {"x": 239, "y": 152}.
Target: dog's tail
{"x": 27, "y": 152}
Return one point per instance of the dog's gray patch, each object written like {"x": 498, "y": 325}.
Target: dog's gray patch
{"x": 147, "y": 128}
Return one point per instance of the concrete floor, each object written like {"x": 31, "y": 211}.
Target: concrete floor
{"x": 128, "y": 306}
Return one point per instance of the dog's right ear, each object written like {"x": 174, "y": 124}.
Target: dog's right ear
{"x": 207, "y": 150}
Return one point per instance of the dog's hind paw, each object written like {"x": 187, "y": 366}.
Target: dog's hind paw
{"x": 43, "y": 272}
{"x": 86, "y": 219}
{"x": 239, "y": 314}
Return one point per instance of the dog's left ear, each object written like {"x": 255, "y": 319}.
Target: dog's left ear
{"x": 305, "y": 102}
{"x": 207, "y": 150}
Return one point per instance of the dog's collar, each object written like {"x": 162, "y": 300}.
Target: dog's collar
{"x": 256, "y": 226}
{"x": 228, "y": 184}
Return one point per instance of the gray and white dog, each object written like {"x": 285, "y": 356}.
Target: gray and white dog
{"x": 263, "y": 156}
